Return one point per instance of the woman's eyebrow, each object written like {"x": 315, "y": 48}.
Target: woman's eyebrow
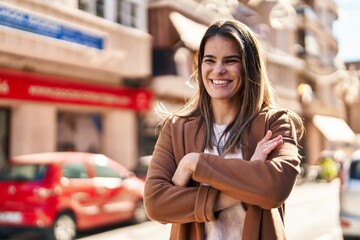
{"x": 209, "y": 56}
{"x": 230, "y": 56}
{"x": 233, "y": 56}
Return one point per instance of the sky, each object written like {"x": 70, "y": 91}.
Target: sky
{"x": 347, "y": 31}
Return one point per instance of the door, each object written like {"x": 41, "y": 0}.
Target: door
{"x": 80, "y": 193}
{"x": 117, "y": 201}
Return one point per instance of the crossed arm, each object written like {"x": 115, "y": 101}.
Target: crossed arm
{"x": 187, "y": 166}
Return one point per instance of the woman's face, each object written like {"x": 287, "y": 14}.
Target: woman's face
{"x": 221, "y": 68}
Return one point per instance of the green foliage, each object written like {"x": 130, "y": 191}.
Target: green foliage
{"x": 329, "y": 169}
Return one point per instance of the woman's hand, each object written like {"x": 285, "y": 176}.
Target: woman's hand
{"x": 224, "y": 201}
{"x": 185, "y": 169}
{"x": 265, "y": 146}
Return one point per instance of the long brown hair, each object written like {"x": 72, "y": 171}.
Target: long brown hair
{"x": 255, "y": 92}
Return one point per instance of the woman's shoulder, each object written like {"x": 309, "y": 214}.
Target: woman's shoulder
{"x": 275, "y": 112}
{"x": 282, "y": 115}
{"x": 275, "y": 109}
{"x": 176, "y": 121}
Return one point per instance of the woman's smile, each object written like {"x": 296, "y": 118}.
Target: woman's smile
{"x": 220, "y": 82}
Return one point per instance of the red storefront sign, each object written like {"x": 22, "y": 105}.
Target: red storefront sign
{"x": 34, "y": 87}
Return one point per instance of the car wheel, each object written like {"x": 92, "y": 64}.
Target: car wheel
{"x": 140, "y": 213}
{"x": 64, "y": 228}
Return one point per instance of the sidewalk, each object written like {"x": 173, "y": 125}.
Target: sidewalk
{"x": 148, "y": 230}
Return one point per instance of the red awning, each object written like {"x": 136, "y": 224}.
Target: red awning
{"x": 35, "y": 87}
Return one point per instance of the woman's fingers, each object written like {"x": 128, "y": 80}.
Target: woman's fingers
{"x": 272, "y": 144}
{"x": 266, "y": 145}
{"x": 275, "y": 141}
{"x": 181, "y": 176}
{"x": 185, "y": 169}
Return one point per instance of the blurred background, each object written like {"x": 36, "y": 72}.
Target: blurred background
{"x": 85, "y": 75}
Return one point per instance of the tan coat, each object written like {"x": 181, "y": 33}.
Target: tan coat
{"x": 263, "y": 185}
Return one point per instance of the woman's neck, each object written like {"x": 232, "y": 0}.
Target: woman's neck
{"x": 223, "y": 113}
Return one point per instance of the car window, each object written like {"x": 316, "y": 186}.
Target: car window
{"x": 105, "y": 171}
{"x": 355, "y": 170}
{"x": 29, "y": 172}
{"x": 74, "y": 170}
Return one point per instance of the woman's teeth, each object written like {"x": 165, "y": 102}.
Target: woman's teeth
{"x": 220, "y": 82}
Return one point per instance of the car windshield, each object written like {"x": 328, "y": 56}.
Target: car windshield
{"x": 28, "y": 172}
{"x": 355, "y": 170}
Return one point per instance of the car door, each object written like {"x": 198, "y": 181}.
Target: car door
{"x": 80, "y": 193}
{"x": 116, "y": 201}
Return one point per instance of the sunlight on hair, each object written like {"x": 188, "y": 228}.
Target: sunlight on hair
{"x": 161, "y": 111}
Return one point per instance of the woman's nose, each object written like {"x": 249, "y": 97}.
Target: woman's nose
{"x": 220, "y": 68}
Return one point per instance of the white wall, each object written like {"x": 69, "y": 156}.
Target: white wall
{"x": 120, "y": 137}
{"x": 33, "y": 128}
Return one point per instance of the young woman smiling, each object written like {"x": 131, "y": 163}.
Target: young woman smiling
{"x": 225, "y": 163}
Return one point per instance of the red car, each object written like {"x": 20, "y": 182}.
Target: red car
{"x": 63, "y": 192}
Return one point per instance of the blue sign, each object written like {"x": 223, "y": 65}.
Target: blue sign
{"x": 40, "y": 25}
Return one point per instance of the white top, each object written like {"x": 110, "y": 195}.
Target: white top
{"x": 229, "y": 224}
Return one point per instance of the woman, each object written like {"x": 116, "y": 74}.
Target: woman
{"x": 225, "y": 163}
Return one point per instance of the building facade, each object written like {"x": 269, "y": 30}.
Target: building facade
{"x": 131, "y": 55}
{"x": 352, "y": 94}
{"x": 70, "y": 80}
{"x": 301, "y": 55}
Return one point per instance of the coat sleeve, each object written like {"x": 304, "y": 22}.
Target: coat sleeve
{"x": 266, "y": 184}
{"x": 167, "y": 203}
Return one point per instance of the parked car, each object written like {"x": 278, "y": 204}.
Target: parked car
{"x": 61, "y": 193}
{"x": 350, "y": 197}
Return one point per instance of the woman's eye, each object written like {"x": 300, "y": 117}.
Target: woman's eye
{"x": 208, "y": 60}
{"x": 232, "y": 61}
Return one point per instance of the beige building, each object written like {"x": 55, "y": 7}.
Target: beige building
{"x": 302, "y": 30}
{"x": 112, "y": 45}
{"x": 301, "y": 55}
{"x": 353, "y": 92}
{"x": 70, "y": 80}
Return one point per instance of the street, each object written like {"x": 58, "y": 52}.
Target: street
{"x": 311, "y": 214}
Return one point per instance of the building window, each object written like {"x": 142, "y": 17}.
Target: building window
{"x": 312, "y": 46}
{"x": 99, "y": 8}
{"x": 4, "y": 134}
{"x": 94, "y": 7}
{"x": 147, "y": 138}
{"x": 130, "y": 13}
{"x": 308, "y": 43}
{"x": 126, "y": 13}
{"x": 79, "y": 132}
{"x": 301, "y": 42}
{"x": 163, "y": 62}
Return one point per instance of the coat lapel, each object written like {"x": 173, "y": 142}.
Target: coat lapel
{"x": 253, "y": 134}
{"x": 197, "y": 138}
{"x": 245, "y": 144}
